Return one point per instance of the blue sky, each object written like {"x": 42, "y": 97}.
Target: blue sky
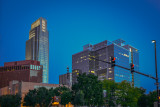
{"x": 72, "y": 24}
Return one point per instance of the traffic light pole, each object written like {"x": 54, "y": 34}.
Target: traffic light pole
{"x": 138, "y": 72}
{"x": 126, "y": 68}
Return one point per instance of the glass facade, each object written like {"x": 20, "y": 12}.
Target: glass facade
{"x": 122, "y": 58}
{"x": 37, "y": 47}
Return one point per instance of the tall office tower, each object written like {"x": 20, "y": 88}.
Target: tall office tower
{"x": 124, "y": 54}
{"x": 37, "y": 47}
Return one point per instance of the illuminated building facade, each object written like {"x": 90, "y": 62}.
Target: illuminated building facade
{"x": 28, "y": 71}
{"x": 37, "y": 47}
{"x": 124, "y": 54}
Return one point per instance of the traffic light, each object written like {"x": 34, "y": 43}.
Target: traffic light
{"x": 132, "y": 68}
{"x": 113, "y": 61}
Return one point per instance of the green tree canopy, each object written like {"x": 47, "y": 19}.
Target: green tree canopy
{"x": 10, "y": 100}
{"x": 65, "y": 97}
{"x": 30, "y": 98}
{"x": 91, "y": 87}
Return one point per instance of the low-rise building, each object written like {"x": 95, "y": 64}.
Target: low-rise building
{"x": 27, "y": 71}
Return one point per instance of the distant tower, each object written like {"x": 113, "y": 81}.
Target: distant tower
{"x": 37, "y": 47}
{"x": 66, "y": 79}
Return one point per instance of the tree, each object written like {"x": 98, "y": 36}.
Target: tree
{"x": 42, "y": 96}
{"x": 10, "y": 100}
{"x": 30, "y": 98}
{"x": 110, "y": 86}
{"x": 143, "y": 99}
{"x": 152, "y": 97}
{"x": 79, "y": 98}
{"x": 65, "y": 97}
{"x": 91, "y": 87}
{"x": 59, "y": 90}
{"x": 127, "y": 95}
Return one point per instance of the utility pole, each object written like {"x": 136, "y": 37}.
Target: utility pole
{"x": 153, "y": 41}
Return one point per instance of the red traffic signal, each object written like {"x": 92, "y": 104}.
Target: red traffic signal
{"x": 132, "y": 65}
{"x": 113, "y": 61}
{"x": 132, "y": 68}
{"x": 113, "y": 58}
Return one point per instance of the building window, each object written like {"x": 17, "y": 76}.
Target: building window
{"x": 33, "y": 66}
{"x": 30, "y": 66}
{"x": 110, "y": 71}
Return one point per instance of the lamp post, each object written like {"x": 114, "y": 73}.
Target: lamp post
{"x": 154, "y": 41}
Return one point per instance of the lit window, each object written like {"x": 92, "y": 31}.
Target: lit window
{"x": 109, "y": 78}
{"x": 30, "y": 66}
{"x": 110, "y": 71}
{"x": 92, "y": 72}
{"x": 35, "y": 67}
{"x": 43, "y": 26}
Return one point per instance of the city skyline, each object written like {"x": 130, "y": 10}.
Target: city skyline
{"x": 73, "y": 24}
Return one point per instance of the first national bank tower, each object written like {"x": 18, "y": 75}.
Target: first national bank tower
{"x": 37, "y": 47}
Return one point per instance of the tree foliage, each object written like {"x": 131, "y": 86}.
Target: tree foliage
{"x": 10, "y": 100}
{"x": 43, "y": 96}
{"x": 65, "y": 97}
{"x": 30, "y": 98}
{"x": 110, "y": 86}
{"x": 122, "y": 94}
{"x": 79, "y": 98}
{"x": 91, "y": 87}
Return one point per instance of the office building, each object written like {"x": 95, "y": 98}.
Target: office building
{"x": 66, "y": 79}
{"x": 28, "y": 71}
{"x": 124, "y": 54}
{"x": 37, "y": 47}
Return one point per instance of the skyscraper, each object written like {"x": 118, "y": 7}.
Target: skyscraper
{"x": 37, "y": 47}
{"x": 124, "y": 54}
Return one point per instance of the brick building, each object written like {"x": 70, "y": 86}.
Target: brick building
{"x": 27, "y": 71}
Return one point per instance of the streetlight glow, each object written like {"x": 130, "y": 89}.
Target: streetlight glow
{"x": 153, "y": 41}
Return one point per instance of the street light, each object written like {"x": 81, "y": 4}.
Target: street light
{"x": 154, "y": 41}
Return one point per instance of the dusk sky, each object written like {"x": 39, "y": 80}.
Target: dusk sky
{"x": 73, "y": 24}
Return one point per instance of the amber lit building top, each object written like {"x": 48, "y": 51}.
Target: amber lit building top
{"x": 27, "y": 71}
